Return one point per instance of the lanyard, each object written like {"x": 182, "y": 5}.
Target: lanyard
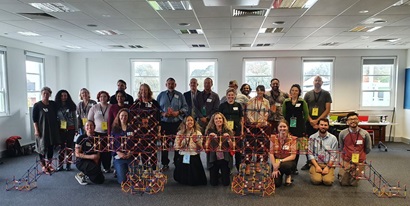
{"x": 84, "y": 109}
{"x": 65, "y": 113}
{"x": 357, "y": 137}
{"x": 103, "y": 112}
{"x": 170, "y": 98}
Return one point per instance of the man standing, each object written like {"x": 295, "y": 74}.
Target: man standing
{"x": 355, "y": 143}
{"x": 322, "y": 154}
{"x": 276, "y": 98}
{"x": 319, "y": 102}
{"x": 190, "y": 97}
{"x": 122, "y": 86}
{"x": 207, "y": 104}
{"x": 173, "y": 107}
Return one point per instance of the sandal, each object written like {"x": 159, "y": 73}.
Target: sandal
{"x": 288, "y": 180}
{"x": 45, "y": 170}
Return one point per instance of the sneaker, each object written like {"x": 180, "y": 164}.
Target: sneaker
{"x": 106, "y": 171}
{"x": 80, "y": 177}
{"x": 305, "y": 167}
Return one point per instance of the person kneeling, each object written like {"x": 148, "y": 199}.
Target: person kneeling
{"x": 87, "y": 159}
{"x": 322, "y": 153}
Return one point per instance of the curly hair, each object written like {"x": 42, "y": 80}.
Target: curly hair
{"x": 69, "y": 103}
{"x": 182, "y": 127}
{"x": 211, "y": 125}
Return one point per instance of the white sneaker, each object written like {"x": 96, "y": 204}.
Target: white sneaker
{"x": 80, "y": 177}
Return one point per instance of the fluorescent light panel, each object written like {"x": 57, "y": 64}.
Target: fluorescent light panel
{"x": 191, "y": 31}
{"x": 54, "y": 7}
{"x": 170, "y": 5}
{"x": 28, "y": 33}
{"x": 365, "y": 28}
{"x": 73, "y": 47}
{"x": 283, "y": 4}
{"x": 107, "y": 32}
{"x": 270, "y": 30}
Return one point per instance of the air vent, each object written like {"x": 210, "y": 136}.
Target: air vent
{"x": 107, "y": 32}
{"x": 198, "y": 45}
{"x": 387, "y": 40}
{"x": 241, "y": 45}
{"x": 170, "y": 5}
{"x": 54, "y": 7}
{"x": 330, "y": 44}
{"x": 35, "y": 16}
{"x": 135, "y": 46}
{"x": 365, "y": 28}
{"x": 270, "y": 30}
{"x": 190, "y": 31}
{"x": 116, "y": 46}
{"x": 249, "y": 12}
{"x": 263, "y": 44}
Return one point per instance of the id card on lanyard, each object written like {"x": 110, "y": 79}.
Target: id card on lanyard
{"x": 293, "y": 122}
{"x": 104, "y": 126}
{"x": 186, "y": 159}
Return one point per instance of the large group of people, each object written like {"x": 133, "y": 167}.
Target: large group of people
{"x": 197, "y": 121}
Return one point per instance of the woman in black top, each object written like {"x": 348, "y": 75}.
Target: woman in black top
{"x": 234, "y": 116}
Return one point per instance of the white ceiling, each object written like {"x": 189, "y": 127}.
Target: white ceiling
{"x": 328, "y": 21}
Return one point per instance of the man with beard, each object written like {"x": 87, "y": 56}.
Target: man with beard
{"x": 355, "y": 143}
{"x": 276, "y": 98}
{"x": 319, "y": 102}
{"x": 122, "y": 86}
{"x": 322, "y": 154}
{"x": 207, "y": 104}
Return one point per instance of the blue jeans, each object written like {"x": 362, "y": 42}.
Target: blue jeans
{"x": 121, "y": 166}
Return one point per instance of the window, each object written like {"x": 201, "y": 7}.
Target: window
{"x": 35, "y": 77}
{"x": 258, "y": 72}
{"x": 3, "y": 83}
{"x": 312, "y": 68}
{"x": 200, "y": 69}
{"x": 145, "y": 71}
{"x": 377, "y": 82}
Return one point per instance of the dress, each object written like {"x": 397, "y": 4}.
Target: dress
{"x": 46, "y": 117}
{"x": 188, "y": 166}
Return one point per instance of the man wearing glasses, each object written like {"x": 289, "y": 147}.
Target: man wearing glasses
{"x": 355, "y": 143}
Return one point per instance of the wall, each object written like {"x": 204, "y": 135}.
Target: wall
{"x": 100, "y": 71}
{"x": 56, "y": 68}
{"x": 406, "y": 113}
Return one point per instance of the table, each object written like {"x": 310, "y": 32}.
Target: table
{"x": 379, "y": 126}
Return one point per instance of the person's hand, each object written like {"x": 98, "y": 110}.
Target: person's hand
{"x": 313, "y": 123}
{"x": 318, "y": 169}
{"x": 37, "y": 134}
{"x": 276, "y": 165}
{"x": 325, "y": 171}
{"x": 203, "y": 119}
{"x": 275, "y": 173}
{"x": 175, "y": 113}
{"x": 212, "y": 135}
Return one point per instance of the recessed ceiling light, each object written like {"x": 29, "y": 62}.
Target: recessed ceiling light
{"x": 363, "y": 11}
{"x": 379, "y": 22}
{"x": 73, "y": 47}
{"x": 106, "y": 15}
{"x": 184, "y": 24}
{"x": 278, "y": 22}
{"x": 28, "y": 33}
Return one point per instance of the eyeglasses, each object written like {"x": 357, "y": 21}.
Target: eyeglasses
{"x": 352, "y": 119}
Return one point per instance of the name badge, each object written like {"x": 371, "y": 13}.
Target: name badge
{"x": 355, "y": 157}
{"x": 68, "y": 110}
{"x": 209, "y": 100}
{"x": 99, "y": 112}
{"x": 45, "y": 109}
{"x": 359, "y": 141}
{"x": 176, "y": 96}
{"x": 235, "y": 108}
{"x": 230, "y": 124}
{"x": 297, "y": 105}
{"x": 130, "y": 133}
{"x": 315, "y": 111}
{"x": 278, "y": 104}
{"x": 104, "y": 125}
{"x": 285, "y": 147}
{"x": 148, "y": 105}
{"x": 186, "y": 159}
{"x": 126, "y": 102}
{"x": 292, "y": 122}
{"x": 63, "y": 125}
{"x": 84, "y": 120}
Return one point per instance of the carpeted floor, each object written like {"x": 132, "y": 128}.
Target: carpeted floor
{"x": 62, "y": 189}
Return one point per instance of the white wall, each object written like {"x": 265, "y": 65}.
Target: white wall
{"x": 56, "y": 66}
{"x": 406, "y": 113}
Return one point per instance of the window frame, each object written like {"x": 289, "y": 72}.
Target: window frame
{"x": 39, "y": 58}
{"x": 318, "y": 59}
{"x": 134, "y": 89}
{"x": 214, "y": 78}
{"x": 4, "y": 82}
{"x": 267, "y": 87}
{"x": 392, "y": 85}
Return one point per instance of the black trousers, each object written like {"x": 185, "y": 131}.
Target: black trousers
{"x": 169, "y": 128}
{"x": 92, "y": 170}
{"x": 105, "y": 157}
{"x": 214, "y": 173}
{"x": 67, "y": 138}
{"x": 285, "y": 168}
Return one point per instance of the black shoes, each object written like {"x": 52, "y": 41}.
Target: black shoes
{"x": 305, "y": 167}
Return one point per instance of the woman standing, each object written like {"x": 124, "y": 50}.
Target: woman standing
{"x": 218, "y": 144}
{"x": 83, "y": 108}
{"x": 122, "y": 156}
{"x": 188, "y": 168}
{"x": 145, "y": 115}
{"x": 295, "y": 111}
{"x": 45, "y": 129}
{"x": 112, "y": 112}
{"x": 233, "y": 113}
{"x": 68, "y": 126}
{"x": 99, "y": 114}
{"x": 257, "y": 112}
{"x": 282, "y": 154}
